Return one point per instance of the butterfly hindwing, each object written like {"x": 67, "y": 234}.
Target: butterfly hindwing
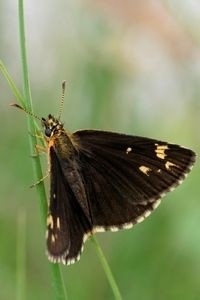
{"x": 66, "y": 222}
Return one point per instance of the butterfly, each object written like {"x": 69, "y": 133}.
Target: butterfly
{"x": 103, "y": 181}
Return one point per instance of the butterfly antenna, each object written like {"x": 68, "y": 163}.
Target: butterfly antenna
{"x": 25, "y": 110}
{"x": 62, "y": 99}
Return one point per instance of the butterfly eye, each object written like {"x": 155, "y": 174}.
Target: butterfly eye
{"x": 48, "y": 132}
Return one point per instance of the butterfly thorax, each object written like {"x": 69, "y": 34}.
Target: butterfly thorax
{"x": 57, "y": 137}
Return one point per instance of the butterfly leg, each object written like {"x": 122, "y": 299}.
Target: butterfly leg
{"x": 37, "y": 135}
{"x": 40, "y": 180}
{"x": 39, "y": 149}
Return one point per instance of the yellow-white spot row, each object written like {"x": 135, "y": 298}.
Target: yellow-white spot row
{"x": 98, "y": 229}
{"x": 169, "y": 164}
{"x": 50, "y": 221}
{"x": 113, "y": 228}
{"x": 86, "y": 236}
{"x": 147, "y": 213}
{"x": 160, "y": 151}
{"x": 127, "y": 225}
{"x": 144, "y": 216}
{"x": 140, "y": 219}
{"x": 145, "y": 170}
{"x": 58, "y": 222}
{"x": 156, "y": 204}
{"x": 53, "y": 238}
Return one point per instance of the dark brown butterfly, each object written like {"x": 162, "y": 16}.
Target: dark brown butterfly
{"x": 104, "y": 181}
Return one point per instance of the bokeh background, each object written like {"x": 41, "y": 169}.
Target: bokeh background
{"x": 130, "y": 66}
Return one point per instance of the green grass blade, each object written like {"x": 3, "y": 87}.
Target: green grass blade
{"x": 28, "y": 105}
{"x": 21, "y": 256}
{"x": 12, "y": 85}
{"x": 107, "y": 270}
{"x": 59, "y": 288}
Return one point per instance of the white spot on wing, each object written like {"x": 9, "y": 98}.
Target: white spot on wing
{"x": 58, "y": 222}
{"x": 140, "y": 219}
{"x": 129, "y": 149}
{"x": 156, "y": 204}
{"x": 147, "y": 213}
{"x": 127, "y": 225}
{"x": 160, "y": 151}
{"x": 145, "y": 170}
{"x": 98, "y": 229}
{"x": 168, "y": 165}
{"x": 50, "y": 221}
{"x": 113, "y": 228}
{"x": 53, "y": 238}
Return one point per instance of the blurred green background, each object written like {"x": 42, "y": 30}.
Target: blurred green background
{"x": 130, "y": 66}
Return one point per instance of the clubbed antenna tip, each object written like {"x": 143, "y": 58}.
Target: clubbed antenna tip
{"x": 25, "y": 110}
{"x": 17, "y": 105}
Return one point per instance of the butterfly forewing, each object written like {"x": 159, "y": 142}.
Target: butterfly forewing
{"x": 125, "y": 176}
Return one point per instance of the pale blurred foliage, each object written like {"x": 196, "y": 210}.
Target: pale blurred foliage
{"x": 131, "y": 66}
{"x": 151, "y": 46}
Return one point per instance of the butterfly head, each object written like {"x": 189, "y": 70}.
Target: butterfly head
{"x": 51, "y": 126}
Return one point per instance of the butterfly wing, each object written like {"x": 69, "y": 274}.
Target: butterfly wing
{"x": 117, "y": 181}
{"x": 125, "y": 176}
{"x": 66, "y": 222}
